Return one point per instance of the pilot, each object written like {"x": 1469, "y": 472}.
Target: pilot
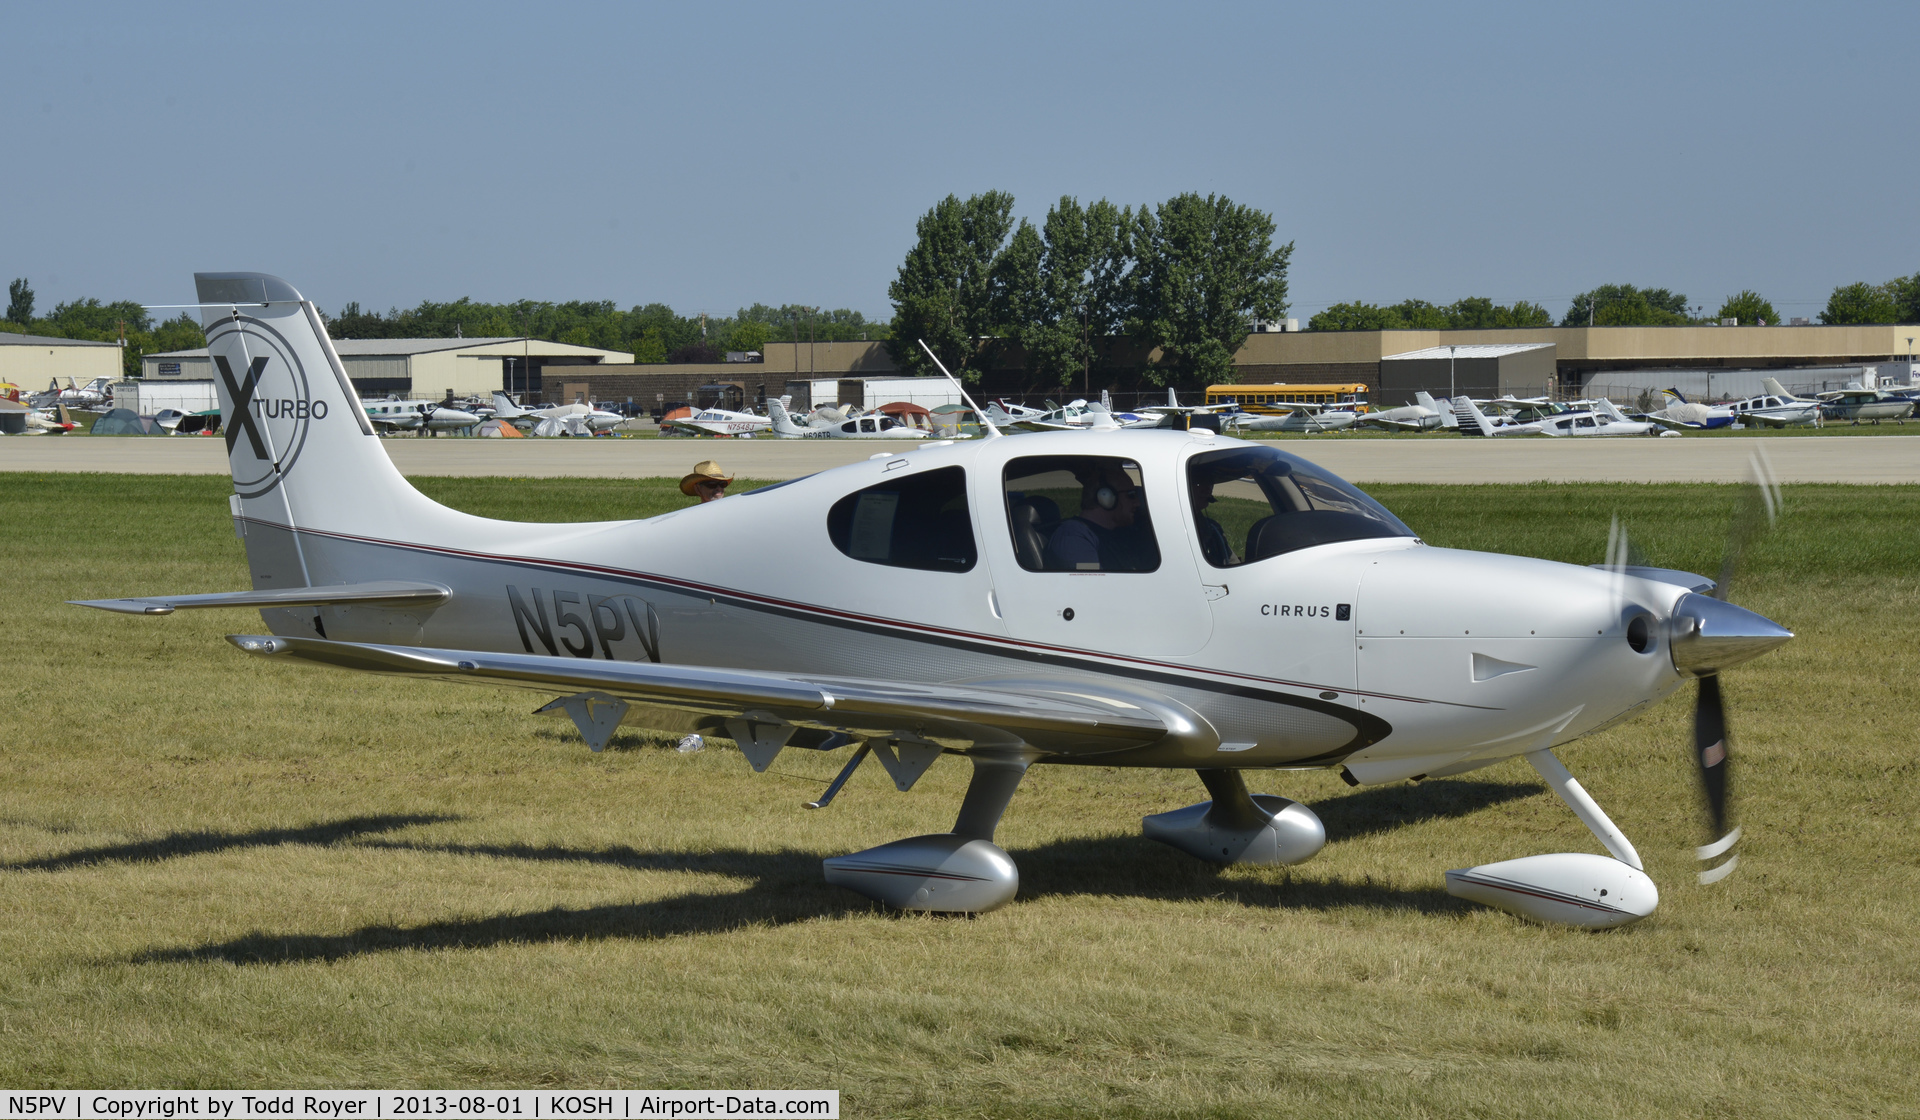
{"x": 708, "y": 482}
{"x": 1213, "y": 539}
{"x": 1099, "y": 538}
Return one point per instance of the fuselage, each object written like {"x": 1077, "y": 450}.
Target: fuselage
{"x": 1376, "y": 651}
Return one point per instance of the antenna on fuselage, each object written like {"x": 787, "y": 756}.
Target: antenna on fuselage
{"x": 984, "y": 422}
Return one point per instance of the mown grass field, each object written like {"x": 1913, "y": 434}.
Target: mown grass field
{"x": 216, "y": 871}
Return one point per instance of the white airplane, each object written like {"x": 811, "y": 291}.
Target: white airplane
{"x": 94, "y": 395}
{"x": 1603, "y": 419}
{"x": 1683, "y": 413}
{"x": 1777, "y": 409}
{"x": 1472, "y": 422}
{"x": 721, "y": 422}
{"x": 924, "y": 603}
{"x": 870, "y": 426}
{"x": 1424, "y": 415}
{"x": 1872, "y": 405}
{"x": 1296, "y": 418}
{"x": 593, "y": 419}
{"x": 413, "y": 416}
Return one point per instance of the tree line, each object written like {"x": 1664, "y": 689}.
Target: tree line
{"x": 123, "y": 321}
{"x": 1624, "y": 305}
{"x": 1182, "y": 281}
{"x": 1172, "y": 289}
{"x": 653, "y": 333}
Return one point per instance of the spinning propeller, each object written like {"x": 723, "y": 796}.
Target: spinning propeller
{"x": 1708, "y": 636}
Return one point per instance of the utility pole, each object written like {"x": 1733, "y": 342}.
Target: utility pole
{"x": 1452, "y": 390}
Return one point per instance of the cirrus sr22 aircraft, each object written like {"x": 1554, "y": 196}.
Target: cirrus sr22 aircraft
{"x": 983, "y": 599}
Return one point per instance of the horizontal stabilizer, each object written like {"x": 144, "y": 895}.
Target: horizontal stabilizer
{"x": 385, "y": 593}
{"x": 1051, "y": 717}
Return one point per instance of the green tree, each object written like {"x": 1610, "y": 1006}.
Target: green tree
{"x": 1906, "y": 297}
{"x": 1419, "y": 315}
{"x": 1750, "y": 307}
{"x": 750, "y": 335}
{"x": 180, "y": 333}
{"x": 650, "y": 348}
{"x": 1861, "y": 303}
{"x": 1078, "y": 289}
{"x": 1207, "y": 267}
{"x": 20, "y": 302}
{"x": 1356, "y": 317}
{"x": 946, "y": 288}
{"x": 1623, "y": 305}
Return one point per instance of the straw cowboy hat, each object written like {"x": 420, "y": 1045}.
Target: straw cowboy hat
{"x": 704, "y": 471}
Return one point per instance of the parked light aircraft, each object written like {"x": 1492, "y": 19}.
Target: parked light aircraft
{"x": 873, "y": 425}
{"x": 1683, "y": 413}
{"x": 593, "y": 419}
{"x": 1604, "y": 418}
{"x": 413, "y": 416}
{"x": 1871, "y": 405}
{"x": 933, "y": 601}
{"x": 1424, "y": 415}
{"x": 1601, "y": 418}
{"x": 94, "y": 395}
{"x": 720, "y": 422}
{"x": 1295, "y": 418}
{"x": 1777, "y": 409}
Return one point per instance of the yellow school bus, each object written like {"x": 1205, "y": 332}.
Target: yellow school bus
{"x": 1276, "y": 398}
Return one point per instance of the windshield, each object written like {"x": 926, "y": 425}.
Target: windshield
{"x": 1253, "y": 503}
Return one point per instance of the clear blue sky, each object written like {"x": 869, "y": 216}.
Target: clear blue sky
{"x": 711, "y": 155}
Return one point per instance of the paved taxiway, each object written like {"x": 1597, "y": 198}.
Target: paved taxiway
{"x": 1860, "y": 459}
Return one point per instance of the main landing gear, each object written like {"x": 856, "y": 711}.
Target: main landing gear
{"x": 962, "y": 871}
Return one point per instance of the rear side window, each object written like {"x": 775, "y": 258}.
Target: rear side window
{"x": 919, "y": 521}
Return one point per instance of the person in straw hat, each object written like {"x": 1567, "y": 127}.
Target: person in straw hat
{"x": 707, "y": 482}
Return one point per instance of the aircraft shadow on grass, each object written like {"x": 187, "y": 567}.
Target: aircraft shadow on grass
{"x": 787, "y": 888}
{"x": 177, "y": 845}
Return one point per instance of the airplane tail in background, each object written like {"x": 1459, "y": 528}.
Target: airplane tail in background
{"x": 1471, "y": 420}
{"x": 302, "y": 451}
{"x": 1773, "y": 388}
{"x": 783, "y": 424}
{"x": 1425, "y": 400}
{"x": 505, "y": 409}
{"x": 1677, "y": 395}
{"x": 1610, "y": 410}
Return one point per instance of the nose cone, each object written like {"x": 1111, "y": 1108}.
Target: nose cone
{"x": 1710, "y": 636}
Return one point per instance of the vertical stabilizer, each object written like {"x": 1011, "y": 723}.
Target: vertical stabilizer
{"x": 1425, "y": 400}
{"x": 1472, "y": 421}
{"x": 1773, "y": 388}
{"x": 302, "y": 451}
{"x": 783, "y": 424}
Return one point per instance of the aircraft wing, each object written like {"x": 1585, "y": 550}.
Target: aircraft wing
{"x": 387, "y": 593}
{"x": 1383, "y": 422}
{"x": 1055, "y": 717}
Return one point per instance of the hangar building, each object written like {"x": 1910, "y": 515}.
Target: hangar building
{"x": 429, "y": 368}
{"x": 1524, "y": 369}
{"x": 31, "y": 360}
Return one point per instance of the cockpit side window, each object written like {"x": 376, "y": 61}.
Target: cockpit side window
{"x": 917, "y": 521}
{"x": 1079, "y": 513}
{"x": 1254, "y": 503}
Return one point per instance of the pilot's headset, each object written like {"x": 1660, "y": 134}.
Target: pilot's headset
{"x": 1104, "y": 495}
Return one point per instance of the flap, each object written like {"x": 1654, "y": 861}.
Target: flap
{"x": 386, "y": 593}
{"x": 1052, "y": 716}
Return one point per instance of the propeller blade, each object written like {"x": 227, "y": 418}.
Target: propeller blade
{"x": 1759, "y": 508}
{"x": 1711, "y": 743}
